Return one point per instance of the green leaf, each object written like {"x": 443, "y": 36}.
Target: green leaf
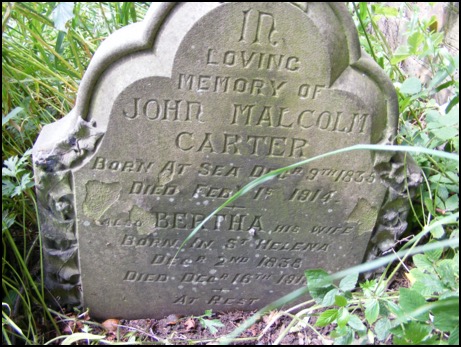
{"x": 452, "y": 103}
{"x": 343, "y": 317}
{"x": 434, "y": 255}
{"x": 11, "y": 115}
{"x": 456, "y": 258}
{"x": 329, "y": 298}
{"x": 423, "y": 263}
{"x": 327, "y": 317}
{"x": 414, "y": 41}
{"x": 438, "y": 232}
{"x": 356, "y": 324}
{"x": 452, "y": 203}
{"x": 446, "y": 315}
{"x": 442, "y": 192}
{"x": 372, "y": 311}
{"x": 81, "y": 337}
{"x": 400, "y": 341}
{"x": 386, "y": 11}
{"x": 368, "y": 285}
{"x": 429, "y": 205}
{"x": 349, "y": 282}
{"x": 411, "y": 86}
{"x": 382, "y": 328}
{"x": 410, "y": 300}
{"x": 454, "y": 337}
{"x": 433, "y": 117}
{"x": 439, "y": 78}
{"x": 211, "y": 324}
{"x": 340, "y": 301}
{"x": 345, "y": 339}
{"x": 426, "y": 284}
{"x": 339, "y": 331}
{"x": 363, "y": 11}
{"x": 450, "y": 119}
{"x": 445, "y": 133}
{"x": 12, "y": 167}
{"x": 445, "y": 269}
{"x": 401, "y": 53}
{"x": 416, "y": 332}
{"x": 319, "y": 283}
{"x": 396, "y": 310}
{"x": 8, "y": 188}
{"x": 439, "y": 178}
{"x": 62, "y": 14}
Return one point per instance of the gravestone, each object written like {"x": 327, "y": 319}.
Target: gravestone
{"x": 178, "y": 112}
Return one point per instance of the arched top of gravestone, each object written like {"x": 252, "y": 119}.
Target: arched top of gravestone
{"x": 166, "y": 24}
{"x": 149, "y": 48}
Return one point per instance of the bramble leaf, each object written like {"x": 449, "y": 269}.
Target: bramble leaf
{"x": 410, "y": 300}
{"x": 319, "y": 284}
{"x": 340, "y": 301}
{"x": 372, "y": 311}
{"x": 349, "y": 282}
{"x": 356, "y": 324}
{"x": 411, "y": 86}
{"x": 382, "y": 327}
{"x": 327, "y": 317}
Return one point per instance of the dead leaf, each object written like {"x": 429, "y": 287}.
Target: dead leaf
{"x": 410, "y": 277}
{"x": 86, "y": 316}
{"x": 253, "y": 330}
{"x": 190, "y": 324}
{"x": 111, "y": 324}
{"x": 172, "y": 319}
{"x": 69, "y": 327}
{"x": 70, "y": 324}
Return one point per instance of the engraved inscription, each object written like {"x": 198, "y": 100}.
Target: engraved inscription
{"x": 230, "y": 85}
{"x": 141, "y": 188}
{"x": 134, "y": 276}
{"x": 250, "y": 60}
{"x": 239, "y": 145}
{"x": 258, "y": 28}
{"x": 138, "y": 165}
{"x": 164, "y": 110}
{"x": 312, "y": 195}
{"x": 347, "y": 176}
{"x": 271, "y": 245}
{"x": 231, "y": 301}
{"x": 246, "y": 89}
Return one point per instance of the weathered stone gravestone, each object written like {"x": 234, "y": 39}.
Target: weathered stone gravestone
{"x": 173, "y": 116}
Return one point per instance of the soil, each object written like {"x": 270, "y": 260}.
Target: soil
{"x": 275, "y": 327}
{"x": 272, "y": 328}
{"x": 189, "y": 330}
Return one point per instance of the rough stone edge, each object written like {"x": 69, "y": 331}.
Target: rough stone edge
{"x": 55, "y": 200}
{"x": 396, "y": 170}
{"x": 56, "y": 153}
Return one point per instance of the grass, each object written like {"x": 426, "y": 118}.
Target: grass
{"x": 41, "y": 70}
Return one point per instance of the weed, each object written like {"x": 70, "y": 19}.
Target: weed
{"x": 211, "y": 324}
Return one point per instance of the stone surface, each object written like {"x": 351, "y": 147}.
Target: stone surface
{"x": 173, "y": 116}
